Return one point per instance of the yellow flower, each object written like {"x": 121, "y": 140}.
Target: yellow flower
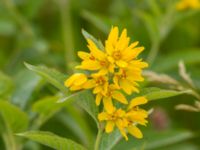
{"x": 95, "y": 60}
{"x": 76, "y": 81}
{"x": 126, "y": 121}
{"x": 118, "y": 49}
{"x": 135, "y": 116}
{"x": 127, "y": 78}
{"x": 99, "y": 82}
{"x": 110, "y": 70}
{"x": 111, "y": 93}
{"x": 115, "y": 118}
{"x": 188, "y": 4}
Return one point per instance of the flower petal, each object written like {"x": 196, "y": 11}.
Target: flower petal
{"x": 83, "y": 55}
{"x": 126, "y": 86}
{"x": 121, "y": 63}
{"x": 132, "y": 53}
{"x": 89, "y": 84}
{"x": 135, "y": 131}
{"x": 89, "y": 65}
{"x": 137, "y": 101}
{"x": 120, "y": 97}
{"x": 97, "y": 89}
{"x": 71, "y": 80}
{"x": 95, "y": 51}
{"x": 121, "y": 126}
{"x": 109, "y": 126}
{"x": 113, "y": 35}
{"x": 116, "y": 81}
{"x": 102, "y": 116}
{"x": 81, "y": 79}
{"x": 98, "y": 99}
{"x": 108, "y": 105}
{"x": 123, "y": 41}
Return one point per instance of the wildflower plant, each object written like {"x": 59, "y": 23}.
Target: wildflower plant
{"x": 106, "y": 85}
{"x": 113, "y": 72}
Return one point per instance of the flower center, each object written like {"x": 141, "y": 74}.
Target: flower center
{"x": 104, "y": 63}
{"x": 123, "y": 75}
{"x": 113, "y": 117}
{"x": 109, "y": 92}
{"x": 100, "y": 81}
{"x": 117, "y": 55}
{"x": 92, "y": 57}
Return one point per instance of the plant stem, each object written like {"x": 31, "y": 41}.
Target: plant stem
{"x": 64, "y": 7}
{"x": 153, "y": 52}
{"x": 9, "y": 141}
{"x": 9, "y": 138}
{"x": 98, "y": 139}
{"x": 21, "y": 21}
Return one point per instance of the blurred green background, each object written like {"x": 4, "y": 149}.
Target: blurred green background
{"x": 49, "y": 32}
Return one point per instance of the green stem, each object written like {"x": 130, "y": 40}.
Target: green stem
{"x": 9, "y": 139}
{"x": 24, "y": 26}
{"x": 21, "y": 21}
{"x": 98, "y": 139}
{"x": 153, "y": 52}
{"x": 64, "y": 7}
{"x": 164, "y": 27}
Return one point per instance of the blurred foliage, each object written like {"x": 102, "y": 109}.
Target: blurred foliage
{"x": 49, "y": 32}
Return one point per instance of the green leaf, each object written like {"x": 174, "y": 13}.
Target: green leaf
{"x": 169, "y": 138}
{"x": 52, "y": 140}
{"x": 49, "y": 106}
{"x": 96, "y": 20}
{"x": 31, "y": 8}
{"x": 108, "y": 141}
{"x": 46, "y": 108}
{"x": 51, "y": 75}
{"x": 89, "y": 36}
{"x": 7, "y": 27}
{"x": 156, "y": 93}
{"x": 12, "y": 117}
{"x": 6, "y": 85}
{"x": 189, "y": 56}
{"x": 77, "y": 122}
{"x": 156, "y": 140}
{"x": 155, "y": 8}
{"x": 86, "y": 100}
{"x": 25, "y": 83}
{"x": 151, "y": 26}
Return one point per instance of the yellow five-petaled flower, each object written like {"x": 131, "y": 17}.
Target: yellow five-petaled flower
{"x": 126, "y": 121}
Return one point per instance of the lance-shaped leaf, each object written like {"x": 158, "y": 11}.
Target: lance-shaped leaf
{"x": 12, "y": 118}
{"x": 87, "y": 101}
{"x": 83, "y": 98}
{"x": 51, "y": 75}
{"x": 25, "y": 83}
{"x": 157, "y": 93}
{"x": 89, "y": 36}
{"x": 52, "y": 140}
{"x": 6, "y": 85}
{"x": 108, "y": 141}
{"x": 157, "y": 140}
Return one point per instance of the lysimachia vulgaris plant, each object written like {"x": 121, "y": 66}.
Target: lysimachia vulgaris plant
{"x": 112, "y": 72}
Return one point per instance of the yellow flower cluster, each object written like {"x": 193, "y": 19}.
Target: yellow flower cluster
{"x": 113, "y": 71}
{"x": 188, "y": 4}
{"x": 126, "y": 120}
